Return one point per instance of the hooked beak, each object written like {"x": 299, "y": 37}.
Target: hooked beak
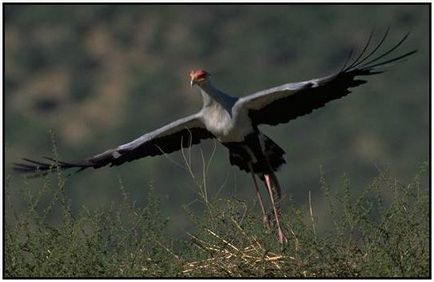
{"x": 195, "y": 81}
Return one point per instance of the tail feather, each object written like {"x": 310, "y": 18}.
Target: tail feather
{"x": 272, "y": 153}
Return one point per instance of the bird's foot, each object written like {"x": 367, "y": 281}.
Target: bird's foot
{"x": 282, "y": 237}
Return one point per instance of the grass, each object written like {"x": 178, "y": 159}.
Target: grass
{"x": 382, "y": 232}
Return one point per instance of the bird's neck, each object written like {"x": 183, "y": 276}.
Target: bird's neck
{"x": 212, "y": 95}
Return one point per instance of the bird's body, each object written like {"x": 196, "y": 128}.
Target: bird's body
{"x": 218, "y": 115}
{"x": 231, "y": 125}
{"x": 234, "y": 123}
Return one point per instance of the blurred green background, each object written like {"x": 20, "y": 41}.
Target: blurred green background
{"x": 101, "y": 75}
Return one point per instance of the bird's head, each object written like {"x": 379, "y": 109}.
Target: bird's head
{"x": 198, "y": 77}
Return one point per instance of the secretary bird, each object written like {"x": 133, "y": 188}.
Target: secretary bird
{"x": 234, "y": 123}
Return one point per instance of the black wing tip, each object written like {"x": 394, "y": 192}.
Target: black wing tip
{"x": 366, "y": 64}
{"x": 33, "y": 168}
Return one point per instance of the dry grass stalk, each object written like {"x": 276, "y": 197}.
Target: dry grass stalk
{"x": 227, "y": 258}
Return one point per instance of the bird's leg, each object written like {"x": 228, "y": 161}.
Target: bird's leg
{"x": 281, "y": 235}
{"x": 265, "y": 219}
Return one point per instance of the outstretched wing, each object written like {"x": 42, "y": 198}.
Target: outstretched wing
{"x": 289, "y": 101}
{"x": 172, "y": 137}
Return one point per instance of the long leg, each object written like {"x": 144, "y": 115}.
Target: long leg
{"x": 265, "y": 220}
{"x": 281, "y": 235}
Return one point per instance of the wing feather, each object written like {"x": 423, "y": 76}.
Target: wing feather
{"x": 289, "y": 101}
{"x": 172, "y": 137}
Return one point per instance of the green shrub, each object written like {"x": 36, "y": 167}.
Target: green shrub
{"x": 383, "y": 232}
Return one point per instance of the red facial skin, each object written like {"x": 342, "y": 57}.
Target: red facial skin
{"x": 197, "y": 75}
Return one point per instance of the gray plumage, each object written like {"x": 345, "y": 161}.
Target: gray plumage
{"x": 230, "y": 120}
